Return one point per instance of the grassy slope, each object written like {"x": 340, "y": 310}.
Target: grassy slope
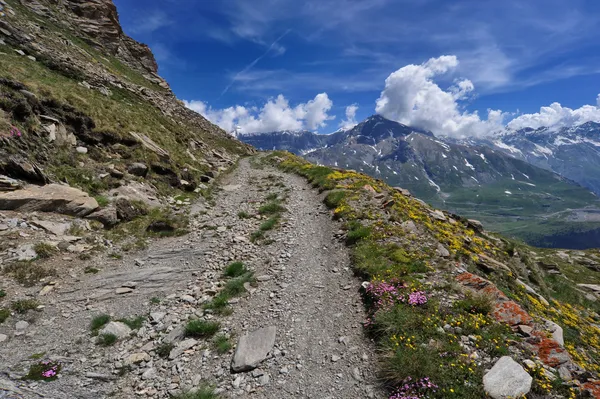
{"x": 411, "y": 338}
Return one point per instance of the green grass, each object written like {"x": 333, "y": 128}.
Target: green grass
{"x": 164, "y": 349}
{"x": 270, "y": 223}
{"x": 24, "y": 305}
{"x": 219, "y": 305}
{"x": 272, "y": 197}
{"x": 2, "y": 294}
{"x": 106, "y": 339}
{"x": 91, "y": 270}
{"x": 476, "y": 303}
{"x": 205, "y": 391}
{"x": 333, "y": 199}
{"x": 102, "y": 200}
{"x": 134, "y": 323}
{"x": 201, "y": 328}
{"x": 222, "y": 344}
{"x": 99, "y": 321}
{"x": 235, "y": 269}
{"x": 357, "y": 232}
{"x": 28, "y": 273}
{"x": 257, "y": 235}
{"x": 235, "y": 286}
{"x": 155, "y": 300}
{"x": 44, "y": 250}
{"x": 271, "y": 208}
{"x": 37, "y": 356}
{"x": 4, "y": 314}
{"x": 244, "y": 215}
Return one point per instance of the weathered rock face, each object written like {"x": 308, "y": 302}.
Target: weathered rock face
{"x": 49, "y": 198}
{"x": 99, "y": 21}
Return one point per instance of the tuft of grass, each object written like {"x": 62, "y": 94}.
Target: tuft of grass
{"x": 44, "y": 250}
{"x": 334, "y": 199}
{"x": 235, "y": 286}
{"x": 257, "y": 235}
{"x": 477, "y": 303}
{"x": 235, "y": 269}
{"x": 202, "y": 328}
{"x": 4, "y": 314}
{"x": 106, "y": 339}
{"x": 91, "y": 270}
{"x": 155, "y": 300}
{"x": 102, "y": 200}
{"x": 164, "y": 349}
{"x": 205, "y": 391}
{"x": 37, "y": 356}
{"x": 219, "y": 305}
{"x": 134, "y": 323}
{"x": 24, "y": 305}
{"x": 271, "y": 208}
{"x": 2, "y": 294}
{"x": 115, "y": 255}
{"x": 270, "y": 223}
{"x": 28, "y": 273}
{"x": 99, "y": 321}
{"x": 272, "y": 197}
{"x": 357, "y": 232}
{"x": 244, "y": 215}
{"x": 222, "y": 344}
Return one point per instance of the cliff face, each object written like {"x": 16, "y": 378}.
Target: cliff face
{"x": 97, "y": 21}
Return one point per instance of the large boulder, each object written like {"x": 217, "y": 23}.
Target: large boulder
{"x": 50, "y": 198}
{"x": 253, "y": 348}
{"x": 507, "y": 379}
{"x": 107, "y": 216}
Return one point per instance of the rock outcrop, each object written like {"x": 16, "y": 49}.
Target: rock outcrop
{"x": 49, "y": 198}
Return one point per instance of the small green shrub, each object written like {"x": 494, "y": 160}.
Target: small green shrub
{"x": 2, "y": 294}
{"x": 272, "y": 197}
{"x": 255, "y": 236}
{"x": 222, "y": 344}
{"x": 235, "y": 269}
{"x": 235, "y": 286}
{"x": 102, "y": 200}
{"x": 356, "y": 233}
{"x": 271, "y": 208}
{"x": 476, "y": 303}
{"x": 91, "y": 270}
{"x": 270, "y": 223}
{"x": 44, "y": 250}
{"x": 155, "y": 300}
{"x": 99, "y": 321}
{"x": 334, "y": 199}
{"x": 24, "y": 305}
{"x": 244, "y": 215}
{"x": 134, "y": 323}
{"x": 201, "y": 328}
{"x": 4, "y": 314}
{"x": 106, "y": 339}
{"x": 219, "y": 305}
{"x": 164, "y": 349}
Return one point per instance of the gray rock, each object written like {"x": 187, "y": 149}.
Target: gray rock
{"x": 136, "y": 358}
{"x": 564, "y": 373}
{"x": 21, "y": 325}
{"x": 253, "y": 348}
{"x": 107, "y": 216}
{"x": 123, "y": 290}
{"x": 81, "y": 150}
{"x": 149, "y": 374}
{"x": 138, "y": 169}
{"x": 3, "y": 337}
{"x": 442, "y": 251}
{"x": 176, "y": 334}
{"x": 99, "y": 376}
{"x": 156, "y": 317}
{"x": 507, "y": 379}
{"x": 182, "y": 347}
{"x": 49, "y": 198}
{"x": 557, "y": 332}
{"x": 121, "y": 330}
{"x": 58, "y": 229}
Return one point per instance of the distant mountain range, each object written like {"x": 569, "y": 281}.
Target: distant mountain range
{"x": 508, "y": 181}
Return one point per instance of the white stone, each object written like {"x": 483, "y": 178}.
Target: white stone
{"x": 253, "y": 348}
{"x": 507, "y": 379}
{"x": 121, "y": 330}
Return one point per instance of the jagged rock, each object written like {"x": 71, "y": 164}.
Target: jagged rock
{"x": 161, "y": 227}
{"x": 403, "y": 191}
{"x": 150, "y": 144}
{"x": 19, "y": 168}
{"x": 175, "y": 335}
{"x": 182, "y": 347}
{"x": 8, "y": 184}
{"x": 595, "y": 288}
{"x": 120, "y": 330}
{"x": 58, "y": 229}
{"x": 136, "y": 358}
{"x": 475, "y": 225}
{"x": 50, "y": 198}
{"x": 107, "y": 216}
{"x": 137, "y": 191}
{"x": 442, "y": 251}
{"x": 127, "y": 211}
{"x": 507, "y": 379}
{"x": 253, "y": 348}
{"x": 438, "y": 215}
{"x": 138, "y": 169}
{"x": 490, "y": 265}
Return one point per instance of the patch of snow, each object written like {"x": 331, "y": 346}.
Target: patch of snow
{"x": 455, "y": 168}
{"x": 507, "y": 192}
{"x": 507, "y": 147}
{"x": 469, "y": 165}
{"x": 432, "y": 183}
{"x": 444, "y": 156}
{"x": 525, "y": 176}
{"x": 475, "y": 179}
{"x": 416, "y": 178}
{"x": 543, "y": 150}
{"x": 513, "y": 176}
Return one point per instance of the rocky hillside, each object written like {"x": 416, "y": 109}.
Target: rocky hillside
{"x": 509, "y": 195}
{"x": 82, "y": 104}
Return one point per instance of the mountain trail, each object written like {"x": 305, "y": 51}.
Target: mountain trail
{"x": 305, "y": 289}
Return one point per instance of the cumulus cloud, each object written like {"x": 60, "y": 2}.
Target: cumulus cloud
{"x": 276, "y": 114}
{"x": 350, "y": 120}
{"x": 412, "y": 97}
{"x": 556, "y": 116}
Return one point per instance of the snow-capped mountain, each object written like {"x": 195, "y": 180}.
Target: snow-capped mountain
{"x": 572, "y": 152}
{"x": 482, "y": 181}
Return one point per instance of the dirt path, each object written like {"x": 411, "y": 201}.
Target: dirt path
{"x": 305, "y": 290}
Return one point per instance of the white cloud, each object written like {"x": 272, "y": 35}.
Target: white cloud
{"x": 275, "y": 115}
{"x": 412, "y": 97}
{"x": 557, "y": 116}
{"x": 350, "y": 120}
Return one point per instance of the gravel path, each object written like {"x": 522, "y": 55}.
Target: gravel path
{"x": 305, "y": 290}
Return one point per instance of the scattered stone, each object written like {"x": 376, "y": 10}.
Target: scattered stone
{"x": 182, "y": 347}
{"x": 123, "y": 290}
{"x": 136, "y": 358}
{"x": 98, "y": 376}
{"x": 138, "y": 169}
{"x": 335, "y": 358}
{"x": 556, "y": 331}
{"x": 81, "y": 150}
{"x": 120, "y": 330}
{"x": 525, "y": 330}
{"x": 507, "y": 379}
{"x": 21, "y": 325}
{"x": 107, "y": 216}
{"x": 3, "y": 337}
{"x": 58, "y": 229}
{"x": 253, "y": 348}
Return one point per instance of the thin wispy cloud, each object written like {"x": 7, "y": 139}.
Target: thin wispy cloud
{"x": 248, "y": 67}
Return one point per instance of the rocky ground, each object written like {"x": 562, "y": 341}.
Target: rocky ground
{"x": 304, "y": 292}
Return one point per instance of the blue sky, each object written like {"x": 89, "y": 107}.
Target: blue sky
{"x": 516, "y": 56}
